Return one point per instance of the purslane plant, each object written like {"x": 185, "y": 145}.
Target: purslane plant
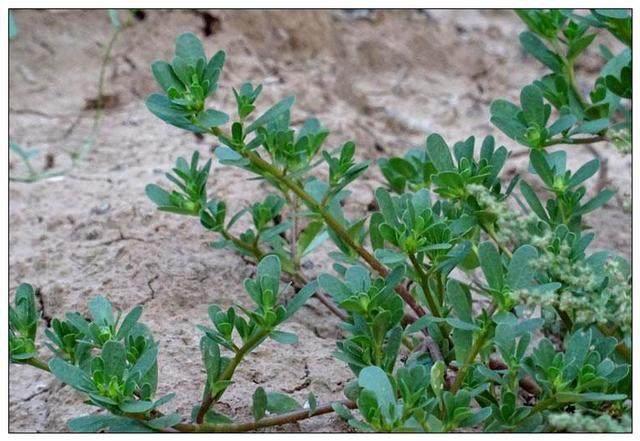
{"x": 113, "y": 359}
{"x": 441, "y": 292}
{"x": 557, "y": 38}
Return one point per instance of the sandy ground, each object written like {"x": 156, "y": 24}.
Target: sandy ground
{"x": 383, "y": 79}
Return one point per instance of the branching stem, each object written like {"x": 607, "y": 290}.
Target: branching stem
{"x": 208, "y": 399}
{"x": 277, "y": 420}
{"x": 286, "y": 182}
{"x": 478, "y": 344}
{"x": 38, "y": 363}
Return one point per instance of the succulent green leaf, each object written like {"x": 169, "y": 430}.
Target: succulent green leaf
{"x": 491, "y": 265}
{"x": 439, "y": 153}
{"x": 272, "y": 114}
{"x": 259, "y": 406}
{"x": 537, "y": 48}
{"x": 278, "y": 403}
{"x": 301, "y": 298}
{"x": 115, "y": 359}
{"x": 285, "y": 338}
{"x": 520, "y": 273}
{"x": 375, "y": 380}
{"x": 71, "y": 375}
{"x": 189, "y": 47}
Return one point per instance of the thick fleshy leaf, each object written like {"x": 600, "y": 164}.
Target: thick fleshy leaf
{"x": 491, "y": 265}
{"x": 136, "y": 406}
{"x": 285, "y": 338}
{"x": 541, "y": 166}
{"x": 439, "y": 153}
{"x": 385, "y": 203}
{"x": 595, "y": 203}
{"x": 537, "y": 48}
{"x": 115, "y": 358}
{"x": 145, "y": 362}
{"x": 165, "y": 421}
{"x": 334, "y": 287}
{"x": 520, "y": 273}
{"x": 101, "y": 311}
{"x": 259, "y": 407}
{"x": 129, "y": 322}
{"x": 189, "y": 47}
{"x": 158, "y": 195}
{"x": 301, "y": 298}
{"x": 272, "y": 114}
{"x": 375, "y": 380}
{"x": 584, "y": 173}
{"x": 166, "y": 78}
{"x": 163, "y": 108}
{"x": 459, "y": 300}
{"x": 532, "y": 199}
{"x": 278, "y": 403}
{"x": 71, "y": 375}
{"x": 533, "y": 105}
{"x": 212, "y": 118}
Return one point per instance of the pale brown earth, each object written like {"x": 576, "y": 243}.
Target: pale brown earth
{"x": 384, "y": 79}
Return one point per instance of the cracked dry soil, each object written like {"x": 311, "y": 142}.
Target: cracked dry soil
{"x": 385, "y": 80}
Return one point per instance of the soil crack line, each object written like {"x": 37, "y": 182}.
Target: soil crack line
{"x": 121, "y": 238}
{"x": 35, "y": 394}
{"x": 46, "y": 317}
{"x": 305, "y": 384}
{"x": 152, "y": 292}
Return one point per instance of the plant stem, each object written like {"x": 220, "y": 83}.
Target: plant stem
{"x": 208, "y": 399}
{"x": 475, "y": 349}
{"x": 573, "y": 84}
{"x": 492, "y": 234}
{"x": 339, "y": 229}
{"x": 569, "y": 72}
{"x": 540, "y": 406}
{"x": 293, "y": 243}
{"x": 89, "y": 143}
{"x": 286, "y": 182}
{"x": 276, "y": 420}
{"x": 252, "y": 249}
{"x": 575, "y": 141}
{"x": 38, "y": 363}
{"x": 332, "y": 223}
{"x": 424, "y": 283}
{"x": 296, "y": 275}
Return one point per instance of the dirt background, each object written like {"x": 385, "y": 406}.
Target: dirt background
{"x": 384, "y": 79}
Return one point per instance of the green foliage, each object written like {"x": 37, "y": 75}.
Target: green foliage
{"x": 191, "y": 181}
{"x": 113, "y": 359}
{"x": 448, "y": 202}
{"x": 110, "y": 360}
{"x": 407, "y": 402}
{"x": 23, "y": 324}
{"x": 566, "y": 207}
{"x": 440, "y": 292}
{"x": 187, "y": 81}
{"x": 557, "y": 38}
{"x": 375, "y": 312}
